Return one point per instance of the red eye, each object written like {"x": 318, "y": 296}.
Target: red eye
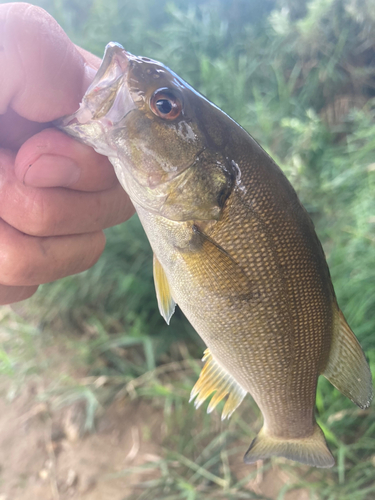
{"x": 165, "y": 104}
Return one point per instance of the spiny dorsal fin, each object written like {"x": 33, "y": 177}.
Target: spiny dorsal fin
{"x": 311, "y": 450}
{"x": 163, "y": 292}
{"x": 347, "y": 368}
{"x": 214, "y": 378}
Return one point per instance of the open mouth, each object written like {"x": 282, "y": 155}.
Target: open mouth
{"x": 108, "y": 98}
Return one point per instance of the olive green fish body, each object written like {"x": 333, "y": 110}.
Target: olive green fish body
{"x": 275, "y": 331}
{"x": 233, "y": 247}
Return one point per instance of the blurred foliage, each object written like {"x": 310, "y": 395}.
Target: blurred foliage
{"x": 300, "y": 77}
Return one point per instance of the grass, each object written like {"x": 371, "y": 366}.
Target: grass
{"x": 200, "y": 456}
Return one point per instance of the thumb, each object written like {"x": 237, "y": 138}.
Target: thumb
{"x": 43, "y": 75}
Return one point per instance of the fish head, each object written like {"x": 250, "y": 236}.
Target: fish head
{"x": 163, "y": 138}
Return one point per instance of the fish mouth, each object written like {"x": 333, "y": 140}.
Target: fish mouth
{"x": 108, "y": 98}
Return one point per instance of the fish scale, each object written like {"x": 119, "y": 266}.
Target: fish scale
{"x": 233, "y": 248}
{"x": 269, "y": 360}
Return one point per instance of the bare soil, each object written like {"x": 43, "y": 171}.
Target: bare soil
{"x": 44, "y": 455}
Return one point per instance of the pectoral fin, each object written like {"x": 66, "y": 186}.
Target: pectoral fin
{"x": 163, "y": 292}
{"x": 347, "y": 368}
{"x": 214, "y": 378}
{"x": 311, "y": 450}
{"x": 221, "y": 273}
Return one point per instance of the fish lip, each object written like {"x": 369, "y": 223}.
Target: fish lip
{"x": 108, "y": 98}
{"x": 113, "y": 53}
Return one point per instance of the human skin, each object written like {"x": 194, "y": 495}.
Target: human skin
{"x": 56, "y": 195}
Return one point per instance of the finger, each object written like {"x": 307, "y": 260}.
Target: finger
{"x": 53, "y": 159}
{"x": 28, "y": 261}
{"x": 92, "y": 60}
{"x": 43, "y": 76}
{"x": 12, "y": 294}
{"x": 15, "y": 130}
{"x": 58, "y": 211}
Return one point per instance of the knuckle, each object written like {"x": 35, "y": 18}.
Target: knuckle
{"x": 98, "y": 247}
{"x": 16, "y": 268}
{"x": 93, "y": 250}
{"x": 38, "y": 219}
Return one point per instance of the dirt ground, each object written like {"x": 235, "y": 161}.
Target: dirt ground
{"x": 44, "y": 455}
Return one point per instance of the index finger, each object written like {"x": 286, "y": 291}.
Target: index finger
{"x": 43, "y": 75}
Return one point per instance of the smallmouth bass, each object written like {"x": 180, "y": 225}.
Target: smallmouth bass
{"x": 233, "y": 247}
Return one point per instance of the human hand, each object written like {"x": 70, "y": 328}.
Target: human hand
{"x": 56, "y": 195}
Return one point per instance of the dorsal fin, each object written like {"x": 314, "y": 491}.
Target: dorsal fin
{"x": 214, "y": 378}
{"x": 166, "y": 302}
{"x": 347, "y": 368}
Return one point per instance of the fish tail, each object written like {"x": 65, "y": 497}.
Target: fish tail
{"x": 311, "y": 450}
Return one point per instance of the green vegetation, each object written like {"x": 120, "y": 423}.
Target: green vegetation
{"x": 300, "y": 77}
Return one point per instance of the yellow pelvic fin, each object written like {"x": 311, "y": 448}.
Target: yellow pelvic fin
{"x": 163, "y": 292}
{"x": 312, "y": 450}
{"x": 347, "y": 368}
{"x": 214, "y": 378}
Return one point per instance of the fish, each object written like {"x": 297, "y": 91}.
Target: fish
{"x": 233, "y": 247}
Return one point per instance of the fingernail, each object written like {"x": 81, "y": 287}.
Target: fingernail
{"x": 52, "y": 171}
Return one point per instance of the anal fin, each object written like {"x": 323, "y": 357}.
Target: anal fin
{"x": 163, "y": 292}
{"x": 347, "y": 368}
{"x": 310, "y": 450}
{"x": 214, "y": 378}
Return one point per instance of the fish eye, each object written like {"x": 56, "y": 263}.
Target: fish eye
{"x": 165, "y": 104}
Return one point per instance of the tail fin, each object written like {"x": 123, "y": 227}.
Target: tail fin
{"x": 312, "y": 450}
